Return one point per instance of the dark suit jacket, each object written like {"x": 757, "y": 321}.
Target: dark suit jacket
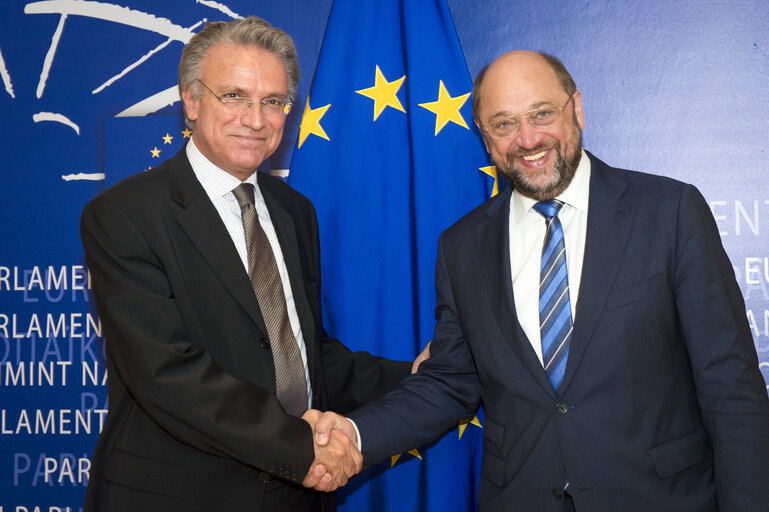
{"x": 193, "y": 418}
{"x": 663, "y": 406}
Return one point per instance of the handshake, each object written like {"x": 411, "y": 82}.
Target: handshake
{"x": 335, "y": 439}
{"x": 337, "y": 458}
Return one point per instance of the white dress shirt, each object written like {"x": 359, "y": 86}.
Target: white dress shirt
{"x": 219, "y": 184}
{"x": 527, "y": 234}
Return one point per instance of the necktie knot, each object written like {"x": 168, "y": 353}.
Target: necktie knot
{"x": 548, "y": 209}
{"x": 244, "y": 193}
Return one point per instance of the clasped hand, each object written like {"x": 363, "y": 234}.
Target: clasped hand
{"x": 335, "y": 440}
{"x": 337, "y": 458}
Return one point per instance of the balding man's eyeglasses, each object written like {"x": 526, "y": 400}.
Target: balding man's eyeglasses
{"x": 236, "y": 105}
{"x": 507, "y": 127}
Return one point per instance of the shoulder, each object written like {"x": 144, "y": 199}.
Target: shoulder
{"x": 145, "y": 196}
{"x": 491, "y": 208}
{"x": 143, "y": 186}
{"x": 283, "y": 193}
{"x": 640, "y": 188}
{"x": 644, "y": 180}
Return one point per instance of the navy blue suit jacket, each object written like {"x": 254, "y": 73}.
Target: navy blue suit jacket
{"x": 663, "y": 405}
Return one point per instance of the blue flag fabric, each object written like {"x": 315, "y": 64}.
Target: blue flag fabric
{"x": 389, "y": 155}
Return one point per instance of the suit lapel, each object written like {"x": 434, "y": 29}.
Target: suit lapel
{"x": 608, "y": 226}
{"x": 493, "y": 239}
{"x": 200, "y": 220}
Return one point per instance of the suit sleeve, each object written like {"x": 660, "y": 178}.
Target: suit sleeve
{"x": 174, "y": 382}
{"x": 425, "y": 405}
{"x": 356, "y": 378}
{"x": 730, "y": 389}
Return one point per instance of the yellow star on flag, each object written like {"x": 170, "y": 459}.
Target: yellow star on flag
{"x": 395, "y": 458}
{"x": 311, "y": 122}
{"x": 491, "y": 170}
{"x": 446, "y": 108}
{"x": 463, "y": 424}
{"x": 155, "y": 152}
{"x": 384, "y": 93}
{"x": 186, "y": 133}
{"x": 167, "y": 139}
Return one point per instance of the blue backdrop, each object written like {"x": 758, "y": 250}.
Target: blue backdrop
{"x": 669, "y": 88}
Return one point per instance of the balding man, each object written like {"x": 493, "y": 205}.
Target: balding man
{"x": 595, "y": 313}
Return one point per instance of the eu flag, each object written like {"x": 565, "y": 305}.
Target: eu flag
{"x": 389, "y": 155}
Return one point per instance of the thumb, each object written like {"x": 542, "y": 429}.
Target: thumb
{"x": 323, "y": 427}
{"x": 311, "y": 416}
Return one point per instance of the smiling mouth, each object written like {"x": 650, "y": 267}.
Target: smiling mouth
{"x": 249, "y": 139}
{"x": 536, "y": 156}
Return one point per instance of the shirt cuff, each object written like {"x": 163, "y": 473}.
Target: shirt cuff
{"x": 357, "y": 435}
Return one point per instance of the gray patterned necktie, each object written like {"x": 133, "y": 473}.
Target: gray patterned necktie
{"x": 265, "y": 279}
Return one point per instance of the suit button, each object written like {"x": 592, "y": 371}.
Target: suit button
{"x": 557, "y": 494}
{"x": 562, "y": 408}
{"x": 265, "y": 478}
{"x": 264, "y": 343}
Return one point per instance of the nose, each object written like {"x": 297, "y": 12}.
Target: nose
{"x": 528, "y": 136}
{"x": 253, "y": 117}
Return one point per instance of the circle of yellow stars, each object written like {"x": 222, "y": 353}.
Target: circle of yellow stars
{"x": 461, "y": 430}
{"x": 384, "y": 93}
{"x": 168, "y": 139}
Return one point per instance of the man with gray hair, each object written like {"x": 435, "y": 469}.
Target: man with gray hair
{"x": 207, "y": 281}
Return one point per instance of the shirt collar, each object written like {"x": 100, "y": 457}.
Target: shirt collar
{"x": 216, "y": 182}
{"x": 576, "y": 194}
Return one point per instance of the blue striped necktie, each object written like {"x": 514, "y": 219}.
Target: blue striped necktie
{"x": 555, "y": 323}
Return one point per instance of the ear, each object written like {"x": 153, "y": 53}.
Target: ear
{"x": 190, "y": 105}
{"x": 578, "y": 112}
{"x": 483, "y": 136}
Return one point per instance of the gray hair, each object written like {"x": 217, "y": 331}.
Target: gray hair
{"x": 563, "y": 76}
{"x": 251, "y": 31}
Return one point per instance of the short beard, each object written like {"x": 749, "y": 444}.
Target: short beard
{"x": 563, "y": 170}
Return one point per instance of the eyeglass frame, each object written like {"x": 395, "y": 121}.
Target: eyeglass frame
{"x": 249, "y": 102}
{"x": 526, "y": 115}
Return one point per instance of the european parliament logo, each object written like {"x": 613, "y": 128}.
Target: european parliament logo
{"x": 86, "y": 72}
{"x": 137, "y": 144}
{"x": 88, "y": 96}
